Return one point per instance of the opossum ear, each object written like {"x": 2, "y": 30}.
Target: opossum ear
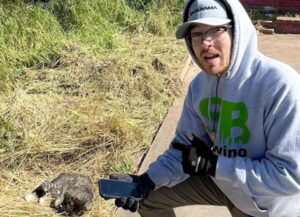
{"x": 88, "y": 206}
{"x": 58, "y": 202}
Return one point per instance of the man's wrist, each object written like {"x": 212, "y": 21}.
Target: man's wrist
{"x": 146, "y": 181}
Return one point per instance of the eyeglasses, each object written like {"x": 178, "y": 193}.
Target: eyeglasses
{"x": 195, "y": 39}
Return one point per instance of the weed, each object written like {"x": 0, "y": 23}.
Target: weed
{"x": 85, "y": 86}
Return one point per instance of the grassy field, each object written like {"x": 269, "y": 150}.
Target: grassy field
{"x": 84, "y": 86}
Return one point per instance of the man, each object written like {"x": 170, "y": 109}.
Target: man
{"x": 237, "y": 143}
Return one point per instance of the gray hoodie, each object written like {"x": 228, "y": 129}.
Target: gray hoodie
{"x": 255, "y": 109}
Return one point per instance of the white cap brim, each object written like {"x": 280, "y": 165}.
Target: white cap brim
{"x": 211, "y": 21}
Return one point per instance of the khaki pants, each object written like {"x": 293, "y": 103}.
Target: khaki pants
{"x": 196, "y": 190}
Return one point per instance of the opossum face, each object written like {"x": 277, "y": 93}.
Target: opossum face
{"x": 77, "y": 201}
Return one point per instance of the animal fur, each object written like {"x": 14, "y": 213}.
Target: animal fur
{"x": 70, "y": 193}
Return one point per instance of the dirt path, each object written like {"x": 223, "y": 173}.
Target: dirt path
{"x": 285, "y": 48}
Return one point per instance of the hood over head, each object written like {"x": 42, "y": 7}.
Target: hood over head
{"x": 208, "y": 12}
{"x": 244, "y": 46}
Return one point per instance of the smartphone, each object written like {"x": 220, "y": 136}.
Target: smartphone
{"x": 111, "y": 188}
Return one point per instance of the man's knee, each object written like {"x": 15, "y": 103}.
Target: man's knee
{"x": 155, "y": 205}
{"x": 150, "y": 211}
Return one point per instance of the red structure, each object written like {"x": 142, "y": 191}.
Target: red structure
{"x": 283, "y": 5}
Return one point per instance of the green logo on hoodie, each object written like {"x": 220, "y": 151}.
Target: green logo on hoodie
{"x": 231, "y": 116}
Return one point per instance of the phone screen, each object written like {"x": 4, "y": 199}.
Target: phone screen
{"x": 110, "y": 188}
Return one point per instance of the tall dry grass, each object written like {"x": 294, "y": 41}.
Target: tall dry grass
{"x": 85, "y": 87}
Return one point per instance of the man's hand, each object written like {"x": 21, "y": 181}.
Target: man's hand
{"x": 145, "y": 184}
{"x": 197, "y": 158}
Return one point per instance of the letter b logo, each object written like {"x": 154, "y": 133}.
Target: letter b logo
{"x": 232, "y": 116}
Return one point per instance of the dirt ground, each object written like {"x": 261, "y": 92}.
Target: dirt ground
{"x": 283, "y": 47}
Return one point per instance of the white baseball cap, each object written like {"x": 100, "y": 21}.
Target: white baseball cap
{"x": 208, "y": 12}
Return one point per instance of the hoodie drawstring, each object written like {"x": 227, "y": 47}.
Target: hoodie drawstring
{"x": 213, "y": 134}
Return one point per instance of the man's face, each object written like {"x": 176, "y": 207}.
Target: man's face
{"x": 213, "y": 53}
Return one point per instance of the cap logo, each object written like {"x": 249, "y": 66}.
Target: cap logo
{"x": 203, "y": 9}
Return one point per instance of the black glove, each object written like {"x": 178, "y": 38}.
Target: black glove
{"x": 197, "y": 158}
{"x": 145, "y": 184}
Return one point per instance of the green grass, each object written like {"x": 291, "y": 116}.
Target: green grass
{"x": 85, "y": 86}
{"x": 33, "y": 33}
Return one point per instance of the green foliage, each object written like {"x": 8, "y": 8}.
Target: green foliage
{"x": 87, "y": 84}
{"x": 170, "y": 12}
{"x": 37, "y": 35}
{"x": 29, "y": 34}
{"x": 10, "y": 141}
{"x": 139, "y": 4}
{"x": 127, "y": 166}
{"x": 33, "y": 33}
{"x": 5, "y": 74}
{"x": 29, "y": 37}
